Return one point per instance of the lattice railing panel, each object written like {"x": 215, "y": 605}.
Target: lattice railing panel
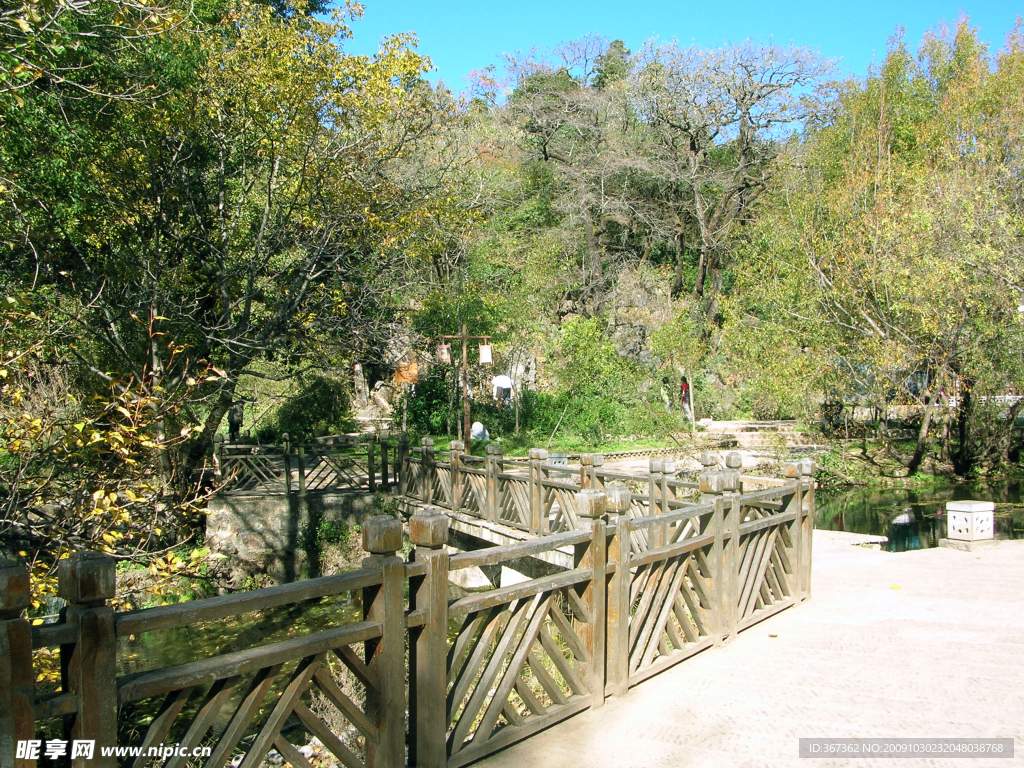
{"x": 252, "y": 473}
{"x": 560, "y": 506}
{"x": 442, "y": 491}
{"x": 474, "y": 492}
{"x": 514, "y": 501}
{"x": 335, "y": 471}
{"x": 241, "y": 718}
{"x": 511, "y": 668}
{"x": 670, "y": 610}
{"x": 766, "y": 571}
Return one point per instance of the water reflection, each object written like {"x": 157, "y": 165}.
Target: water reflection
{"x": 915, "y": 519}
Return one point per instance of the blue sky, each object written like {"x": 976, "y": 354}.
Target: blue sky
{"x": 460, "y": 36}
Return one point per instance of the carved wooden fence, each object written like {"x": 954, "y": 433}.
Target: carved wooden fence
{"x": 335, "y": 464}
{"x": 531, "y": 494}
{"x": 646, "y": 591}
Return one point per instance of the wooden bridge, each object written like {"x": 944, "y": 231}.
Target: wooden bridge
{"x": 661, "y": 570}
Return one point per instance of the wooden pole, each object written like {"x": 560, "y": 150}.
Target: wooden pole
{"x": 428, "y": 646}
{"x": 370, "y": 469}
{"x": 427, "y": 471}
{"x": 17, "y": 679}
{"x": 385, "y": 656}
{"x": 538, "y": 524}
{"x": 617, "y": 503}
{"x": 593, "y": 555}
{"x": 287, "y": 465}
{"x": 807, "y": 526}
{"x": 86, "y": 581}
{"x": 402, "y": 464}
{"x": 455, "y": 457}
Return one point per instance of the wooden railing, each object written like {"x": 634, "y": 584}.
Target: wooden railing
{"x": 645, "y": 592}
{"x": 335, "y": 464}
{"x": 531, "y": 494}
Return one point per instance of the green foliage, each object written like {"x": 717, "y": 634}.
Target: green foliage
{"x": 331, "y": 532}
{"x": 443, "y": 311}
{"x": 612, "y": 65}
{"x": 430, "y": 402}
{"x": 320, "y": 407}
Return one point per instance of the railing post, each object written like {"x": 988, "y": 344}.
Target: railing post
{"x": 590, "y": 505}
{"x": 427, "y": 471}
{"x": 617, "y": 503}
{"x": 456, "y": 449}
{"x": 385, "y": 655}
{"x": 17, "y": 678}
{"x": 492, "y": 468}
{"x": 370, "y": 459}
{"x": 802, "y": 528}
{"x": 656, "y": 468}
{"x": 719, "y": 487}
{"x": 218, "y": 460}
{"x": 428, "y": 645}
{"x": 538, "y": 520}
{"x": 402, "y": 469}
{"x": 385, "y": 483}
{"x": 792, "y": 471}
{"x": 585, "y": 474}
{"x": 286, "y": 454}
{"x": 300, "y": 459}
{"x": 596, "y": 462}
{"x": 86, "y": 581}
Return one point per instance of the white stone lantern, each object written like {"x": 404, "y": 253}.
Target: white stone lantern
{"x": 970, "y": 520}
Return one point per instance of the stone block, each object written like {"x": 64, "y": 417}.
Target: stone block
{"x": 709, "y": 459}
{"x": 14, "y": 587}
{"x": 87, "y": 577}
{"x": 734, "y": 460}
{"x": 429, "y": 528}
{"x": 970, "y": 520}
{"x": 617, "y": 499}
{"x": 719, "y": 481}
{"x": 382, "y": 535}
{"x": 792, "y": 470}
{"x": 590, "y": 503}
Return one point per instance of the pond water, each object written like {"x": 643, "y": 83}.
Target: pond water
{"x": 916, "y": 519}
{"x": 149, "y": 650}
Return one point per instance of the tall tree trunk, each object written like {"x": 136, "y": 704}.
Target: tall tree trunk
{"x": 677, "y": 282}
{"x": 702, "y": 271}
{"x": 964, "y": 459}
{"x": 922, "y": 435}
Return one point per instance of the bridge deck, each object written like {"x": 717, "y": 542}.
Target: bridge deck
{"x": 939, "y": 657}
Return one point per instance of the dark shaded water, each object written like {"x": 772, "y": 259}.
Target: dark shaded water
{"x": 192, "y": 642}
{"x": 916, "y": 519}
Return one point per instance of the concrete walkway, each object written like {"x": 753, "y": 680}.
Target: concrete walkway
{"x": 917, "y": 644}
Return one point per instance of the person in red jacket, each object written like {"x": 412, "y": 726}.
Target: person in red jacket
{"x": 684, "y": 396}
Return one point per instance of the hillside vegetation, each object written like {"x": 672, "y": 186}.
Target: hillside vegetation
{"x": 211, "y": 203}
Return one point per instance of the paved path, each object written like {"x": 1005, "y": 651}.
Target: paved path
{"x": 941, "y": 656}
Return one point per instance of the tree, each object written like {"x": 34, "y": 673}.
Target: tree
{"x": 715, "y": 118}
{"x": 259, "y": 211}
{"x": 613, "y": 65}
{"x": 896, "y": 255}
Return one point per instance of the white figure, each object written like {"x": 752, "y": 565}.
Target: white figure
{"x": 478, "y": 431}
{"x": 502, "y": 386}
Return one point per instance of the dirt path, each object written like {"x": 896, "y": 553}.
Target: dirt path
{"x": 942, "y": 655}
